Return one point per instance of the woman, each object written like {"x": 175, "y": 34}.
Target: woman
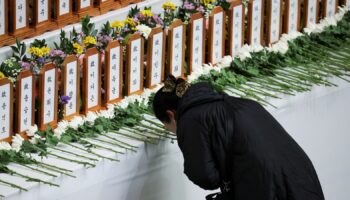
{"x": 234, "y": 144}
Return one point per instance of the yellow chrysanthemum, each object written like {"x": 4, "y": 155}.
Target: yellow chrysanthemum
{"x": 78, "y": 48}
{"x": 169, "y": 6}
{"x": 207, "y": 2}
{"x": 2, "y": 75}
{"x": 117, "y": 24}
{"x": 39, "y": 52}
{"x": 130, "y": 22}
{"x": 45, "y": 50}
{"x": 147, "y": 13}
{"x": 89, "y": 40}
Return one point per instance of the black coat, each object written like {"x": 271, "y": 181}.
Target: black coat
{"x": 267, "y": 164}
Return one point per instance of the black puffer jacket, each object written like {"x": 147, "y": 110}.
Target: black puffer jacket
{"x": 267, "y": 164}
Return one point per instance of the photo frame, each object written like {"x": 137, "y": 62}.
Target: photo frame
{"x": 274, "y": 21}
{"x": 48, "y": 97}
{"x": 155, "y": 57}
{"x": 134, "y": 65}
{"x": 6, "y": 110}
{"x": 292, "y": 16}
{"x": 25, "y": 102}
{"x": 196, "y": 42}
{"x": 236, "y": 27}
{"x": 113, "y": 76}
{"x": 91, "y": 84}
{"x": 70, "y": 86}
{"x": 255, "y": 22}
{"x": 217, "y": 29}
{"x": 176, "y": 41}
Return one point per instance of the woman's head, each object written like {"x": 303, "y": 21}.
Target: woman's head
{"x": 166, "y": 101}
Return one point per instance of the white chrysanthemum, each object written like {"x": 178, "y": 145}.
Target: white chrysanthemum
{"x": 144, "y": 30}
{"x": 17, "y": 142}
{"x": 106, "y": 114}
{"x": 226, "y": 62}
{"x": 90, "y": 117}
{"x": 58, "y": 132}
{"x": 76, "y": 122}
{"x": 244, "y": 53}
{"x": 32, "y": 130}
{"x": 64, "y": 124}
{"x": 35, "y": 139}
{"x": 257, "y": 48}
{"x": 110, "y": 106}
{"x": 5, "y": 146}
{"x": 123, "y": 104}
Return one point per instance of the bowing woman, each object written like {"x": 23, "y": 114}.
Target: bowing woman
{"x": 234, "y": 144}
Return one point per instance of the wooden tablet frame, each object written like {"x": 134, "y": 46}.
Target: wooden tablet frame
{"x": 107, "y": 75}
{"x": 105, "y": 6}
{"x": 18, "y": 118}
{"x": 150, "y": 67}
{"x": 286, "y": 17}
{"x": 214, "y": 12}
{"x": 235, "y": 4}
{"x": 65, "y": 85}
{"x": 191, "y": 41}
{"x": 250, "y": 22}
{"x": 41, "y": 125}
{"x": 325, "y": 6}
{"x": 66, "y": 18}
{"x": 5, "y": 81}
{"x": 306, "y": 11}
{"x": 177, "y": 23}
{"x": 89, "y": 10}
{"x": 133, "y": 38}
{"x": 85, "y": 84}
{"x": 5, "y": 38}
{"x": 269, "y": 23}
{"x": 23, "y": 32}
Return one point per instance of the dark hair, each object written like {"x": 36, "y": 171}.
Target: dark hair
{"x": 167, "y": 98}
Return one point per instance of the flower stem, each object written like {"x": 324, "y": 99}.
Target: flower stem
{"x": 13, "y": 185}
{"x": 31, "y": 179}
{"x": 90, "y": 151}
{"x": 39, "y": 170}
{"x": 71, "y": 160}
{"x": 75, "y": 154}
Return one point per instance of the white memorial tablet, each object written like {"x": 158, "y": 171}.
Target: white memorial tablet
{"x": 177, "y": 38}
{"x": 21, "y": 13}
{"x": 197, "y": 44}
{"x": 93, "y": 81}
{"x": 136, "y": 66}
{"x": 5, "y": 109}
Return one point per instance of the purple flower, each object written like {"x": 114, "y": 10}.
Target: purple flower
{"x": 41, "y": 60}
{"x": 25, "y": 65}
{"x": 157, "y": 19}
{"x": 64, "y": 99}
{"x": 57, "y": 53}
{"x": 200, "y": 9}
{"x": 188, "y": 6}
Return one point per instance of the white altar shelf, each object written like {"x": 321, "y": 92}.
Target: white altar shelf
{"x": 318, "y": 120}
{"x": 119, "y": 14}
